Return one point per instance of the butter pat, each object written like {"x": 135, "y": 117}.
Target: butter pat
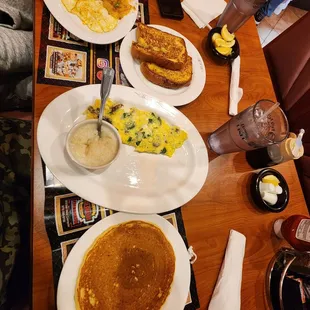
{"x": 267, "y": 187}
{"x": 269, "y": 198}
{"x": 279, "y": 190}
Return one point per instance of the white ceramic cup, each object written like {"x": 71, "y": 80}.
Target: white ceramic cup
{"x": 95, "y": 121}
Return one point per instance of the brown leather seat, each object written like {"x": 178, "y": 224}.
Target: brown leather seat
{"x": 288, "y": 59}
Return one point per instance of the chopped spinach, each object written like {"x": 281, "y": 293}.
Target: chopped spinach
{"x": 138, "y": 142}
{"x": 163, "y": 151}
{"x": 126, "y": 115}
{"x": 129, "y": 139}
{"x": 130, "y": 125}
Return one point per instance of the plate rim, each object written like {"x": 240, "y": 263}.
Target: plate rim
{"x": 169, "y": 206}
{"x": 76, "y": 255}
{"x": 51, "y": 5}
{"x": 140, "y": 85}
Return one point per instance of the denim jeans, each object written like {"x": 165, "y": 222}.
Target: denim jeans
{"x": 268, "y": 8}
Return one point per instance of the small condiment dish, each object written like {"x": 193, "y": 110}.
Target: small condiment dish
{"x": 94, "y": 121}
{"x": 215, "y": 55}
{"x": 283, "y": 198}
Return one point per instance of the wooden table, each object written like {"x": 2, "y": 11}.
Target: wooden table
{"x": 223, "y": 202}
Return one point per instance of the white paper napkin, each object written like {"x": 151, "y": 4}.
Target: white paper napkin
{"x": 203, "y": 11}
{"x": 235, "y": 92}
{"x": 226, "y": 295}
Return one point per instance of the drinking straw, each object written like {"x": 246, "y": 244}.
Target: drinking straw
{"x": 271, "y": 109}
{"x": 298, "y": 143}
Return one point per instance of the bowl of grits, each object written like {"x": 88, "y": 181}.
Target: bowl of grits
{"x": 90, "y": 151}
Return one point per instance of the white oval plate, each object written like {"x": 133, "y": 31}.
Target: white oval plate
{"x": 135, "y": 182}
{"x": 181, "y": 281}
{"x": 175, "y": 97}
{"x": 73, "y": 24}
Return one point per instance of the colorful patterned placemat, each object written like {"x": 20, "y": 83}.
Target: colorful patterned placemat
{"x": 67, "y": 217}
{"x": 65, "y": 60}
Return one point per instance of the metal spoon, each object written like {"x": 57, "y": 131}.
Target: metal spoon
{"x": 106, "y": 83}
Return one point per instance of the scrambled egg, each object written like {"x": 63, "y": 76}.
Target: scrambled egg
{"x": 92, "y": 13}
{"x": 117, "y": 8}
{"x": 144, "y": 130}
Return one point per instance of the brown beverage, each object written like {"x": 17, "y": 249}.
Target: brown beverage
{"x": 237, "y": 12}
{"x": 258, "y": 126}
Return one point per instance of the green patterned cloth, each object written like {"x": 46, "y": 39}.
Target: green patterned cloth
{"x": 15, "y": 162}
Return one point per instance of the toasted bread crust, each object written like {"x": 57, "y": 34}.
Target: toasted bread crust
{"x": 145, "y": 55}
{"x": 156, "y": 46}
{"x": 165, "y": 81}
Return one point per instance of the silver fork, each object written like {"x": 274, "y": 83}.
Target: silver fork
{"x": 106, "y": 83}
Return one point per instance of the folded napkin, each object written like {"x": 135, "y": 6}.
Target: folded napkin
{"x": 226, "y": 295}
{"x": 203, "y": 11}
{"x": 235, "y": 92}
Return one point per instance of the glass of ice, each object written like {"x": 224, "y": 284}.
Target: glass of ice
{"x": 253, "y": 128}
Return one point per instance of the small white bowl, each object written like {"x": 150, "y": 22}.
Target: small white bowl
{"x": 104, "y": 123}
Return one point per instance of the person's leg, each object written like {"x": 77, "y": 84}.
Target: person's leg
{"x": 16, "y": 92}
{"x": 266, "y": 10}
{"x": 15, "y": 152}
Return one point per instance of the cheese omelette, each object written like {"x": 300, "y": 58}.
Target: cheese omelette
{"x": 99, "y": 15}
{"x": 144, "y": 130}
{"x": 129, "y": 267}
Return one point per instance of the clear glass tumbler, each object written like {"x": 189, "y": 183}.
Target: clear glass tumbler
{"x": 237, "y": 12}
{"x": 260, "y": 125}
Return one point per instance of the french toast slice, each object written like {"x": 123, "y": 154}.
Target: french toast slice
{"x": 159, "y": 47}
{"x": 168, "y": 78}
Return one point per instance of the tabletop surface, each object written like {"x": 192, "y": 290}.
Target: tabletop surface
{"x": 223, "y": 202}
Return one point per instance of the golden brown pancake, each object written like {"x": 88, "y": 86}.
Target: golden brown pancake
{"x": 130, "y": 266}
